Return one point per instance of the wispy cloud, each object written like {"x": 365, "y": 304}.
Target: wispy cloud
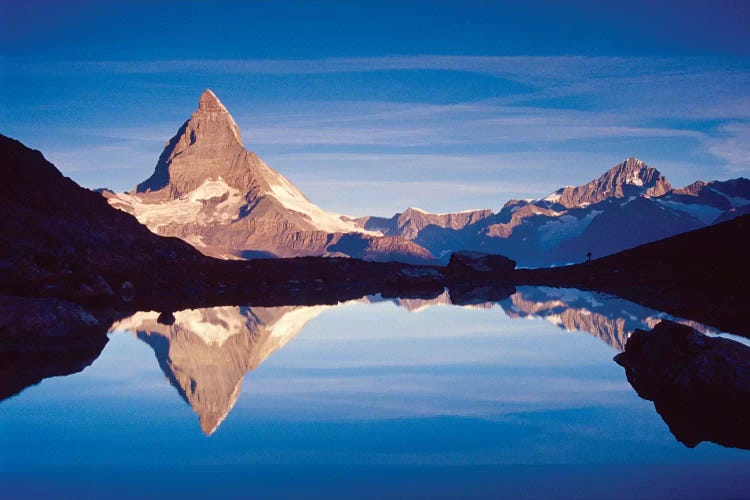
{"x": 568, "y": 117}
{"x": 525, "y": 68}
{"x": 385, "y": 183}
{"x": 733, "y": 147}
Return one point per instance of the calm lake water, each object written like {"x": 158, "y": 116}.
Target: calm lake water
{"x": 370, "y": 398}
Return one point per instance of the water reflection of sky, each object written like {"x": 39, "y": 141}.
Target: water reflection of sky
{"x": 365, "y": 385}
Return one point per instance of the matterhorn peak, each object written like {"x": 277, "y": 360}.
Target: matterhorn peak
{"x": 213, "y": 121}
{"x": 207, "y": 146}
{"x": 212, "y": 192}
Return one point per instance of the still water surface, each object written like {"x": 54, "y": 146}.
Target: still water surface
{"x": 370, "y": 398}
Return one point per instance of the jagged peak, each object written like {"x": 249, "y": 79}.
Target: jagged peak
{"x": 632, "y": 171}
{"x": 209, "y": 102}
{"x": 629, "y": 165}
{"x": 631, "y": 174}
{"x": 210, "y": 107}
{"x": 210, "y": 133}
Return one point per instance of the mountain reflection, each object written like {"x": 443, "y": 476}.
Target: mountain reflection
{"x": 206, "y": 353}
{"x": 610, "y": 319}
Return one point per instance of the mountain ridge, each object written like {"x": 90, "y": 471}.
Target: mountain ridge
{"x": 628, "y": 205}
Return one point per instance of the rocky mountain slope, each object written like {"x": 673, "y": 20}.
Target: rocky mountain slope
{"x": 627, "y": 206}
{"x": 210, "y": 191}
{"x": 58, "y": 239}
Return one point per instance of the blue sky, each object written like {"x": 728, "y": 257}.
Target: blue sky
{"x": 370, "y": 107}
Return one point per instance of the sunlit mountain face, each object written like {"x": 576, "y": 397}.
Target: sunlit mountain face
{"x": 210, "y": 191}
{"x": 206, "y": 353}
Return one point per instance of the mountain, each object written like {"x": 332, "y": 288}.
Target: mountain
{"x": 210, "y": 191}
{"x": 59, "y": 239}
{"x": 413, "y": 220}
{"x": 630, "y": 178}
{"x": 206, "y": 353}
{"x": 629, "y": 205}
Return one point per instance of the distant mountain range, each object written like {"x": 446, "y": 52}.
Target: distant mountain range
{"x": 208, "y": 190}
{"x": 629, "y": 205}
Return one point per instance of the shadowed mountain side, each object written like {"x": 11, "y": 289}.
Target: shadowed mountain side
{"x": 699, "y": 385}
{"x": 701, "y": 275}
{"x": 42, "y": 338}
{"x": 58, "y": 239}
{"x": 206, "y": 353}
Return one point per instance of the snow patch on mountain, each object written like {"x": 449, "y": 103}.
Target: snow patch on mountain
{"x": 293, "y": 199}
{"x": 738, "y": 201}
{"x": 441, "y": 214}
{"x": 635, "y": 180}
{"x": 197, "y": 206}
{"x": 225, "y": 323}
{"x": 292, "y": 322}
{"x": 704, "y": 213}
{"x": 564, "y": 227}
{"x": 552, "y": 198}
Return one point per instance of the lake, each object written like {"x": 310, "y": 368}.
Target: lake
{"x": 369, "y": 398}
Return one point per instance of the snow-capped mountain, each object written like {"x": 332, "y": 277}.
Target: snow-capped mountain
{"x": 630, "y": 178}
{"x": 210, "y": 191}
{"x": 627, "y": 206}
